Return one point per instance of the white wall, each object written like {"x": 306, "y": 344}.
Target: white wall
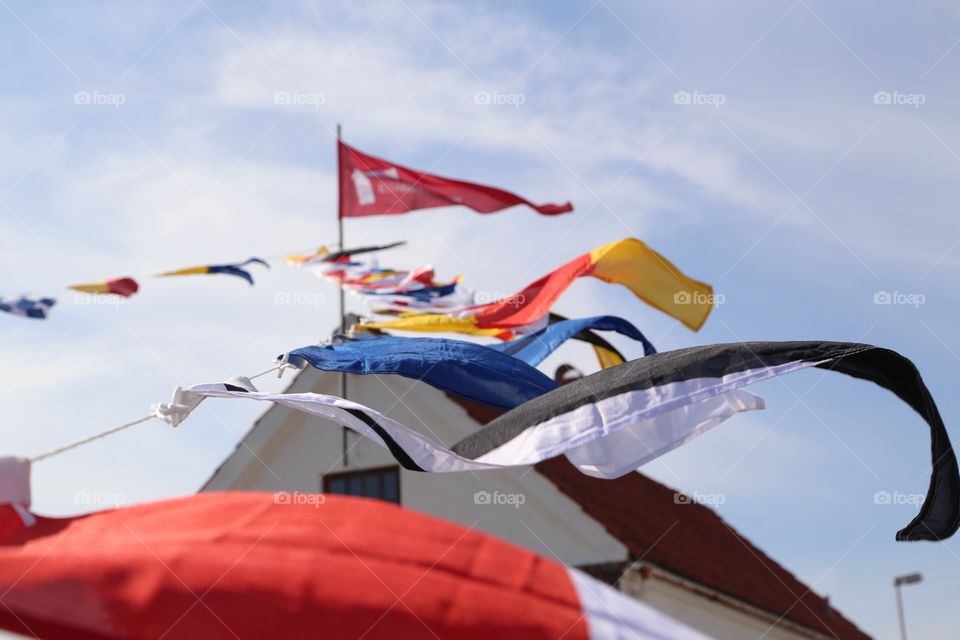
{"x": 291, "y": 451}
{"x": 721, "y": 621}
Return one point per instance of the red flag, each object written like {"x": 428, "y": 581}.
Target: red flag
{"x": 125, "y": 287}
{"x": 371, "y": 186}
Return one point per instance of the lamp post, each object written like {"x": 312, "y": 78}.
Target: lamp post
{"x": 910, "y": 578}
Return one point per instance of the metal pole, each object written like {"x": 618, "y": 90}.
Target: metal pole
{"x": 903, "y": 624}
{"x": 344, "y": 440}
{"x": 898, "y": 581}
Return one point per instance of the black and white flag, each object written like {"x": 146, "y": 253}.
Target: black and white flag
{"x": 611, "y": 422}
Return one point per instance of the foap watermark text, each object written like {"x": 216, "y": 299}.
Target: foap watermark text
{"x": 699, "y": 98}
{"x": 99, "y": 98}
{"x": 899, "y": 298}
{"x": 515, "y": 500}
{"x": 699, "y": 298}
{"x": 499, "y": 99}
{"x": 915, "y": 100}
{"x": 299, "y": 99}
{"x": 705, "y": 499}
{"x": 897, "y": 498}
{"x": 297, "y": 498}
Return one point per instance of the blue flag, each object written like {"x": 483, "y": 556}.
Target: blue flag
{"x": 534, "y": 348}
{"x": 27, "y": 306}
{"x": 469, "y": 370}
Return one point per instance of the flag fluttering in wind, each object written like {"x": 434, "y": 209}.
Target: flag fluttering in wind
{"x": 413, "y": 282}
{"x": 466, "y": 369}
{"x": 502, "y": 376}
{"x": 458, "y": 299}
{"x": 603, "y": 438}
{"x": 27, "y": 306}
{"x": 534, "y": 348}
{"x": 413, "y": 290}
{"x": 439, "y": 323}
{"x": 607, "y": 354}
{"x": 346, "y": 272}
{"x": 125, "y": 287}
{"x": 613, "y": 421}
{"x": 234, "y": 269}
{"x": 295, "y": 565}
{"x": 394, "y": 290}
{"x": 629, "y": 262}
{"x": 374, "y": 279}
{"x": 307, "y": 259}
{"x": 339, "y": 256}
{"x": 372, "y": 186}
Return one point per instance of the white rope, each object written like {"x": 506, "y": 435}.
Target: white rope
{"x": 263, "y": 373}
{"x": 97, "y": 436}
{"x": 154, "y": 414}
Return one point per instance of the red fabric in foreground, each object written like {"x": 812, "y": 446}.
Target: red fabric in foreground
{"x": 372, "y": 186}
{"x": 227, "y": 565}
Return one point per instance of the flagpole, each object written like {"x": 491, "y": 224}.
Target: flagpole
{"x": 343, "y": 312}
{"x": 343, "y": 309}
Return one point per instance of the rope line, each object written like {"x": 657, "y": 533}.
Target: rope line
{"x": 96, "y": 436}
{"x": 263, "y": 373}
{"x": 108, "y": 432}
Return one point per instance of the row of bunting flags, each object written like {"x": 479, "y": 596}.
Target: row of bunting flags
{"x": 263, "y": 568}
{"x": 419, "y": 303}
{"x": 38, "y": 307}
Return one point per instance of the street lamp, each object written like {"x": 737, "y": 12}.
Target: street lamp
{"x": 910, "y": 578}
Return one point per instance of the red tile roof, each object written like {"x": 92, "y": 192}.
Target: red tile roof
{"x": 689, "y": 540}
{"x": 692, "y": 541}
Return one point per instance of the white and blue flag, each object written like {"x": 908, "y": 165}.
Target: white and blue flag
{"x": 27, "y": 306}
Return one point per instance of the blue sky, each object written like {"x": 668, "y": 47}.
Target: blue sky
{"x": 785, "y": 180}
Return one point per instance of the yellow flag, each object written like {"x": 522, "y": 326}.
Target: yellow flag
{"x": 432, "y": 323}
{"x": 606, "y": 357}
{"x": 653, "y": 279}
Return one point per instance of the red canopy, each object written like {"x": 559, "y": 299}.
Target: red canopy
{"x": 256, "y": 565}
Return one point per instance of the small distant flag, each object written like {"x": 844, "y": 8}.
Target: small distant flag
{"x": 27, "y": 306}
{"x": 125, "y": 287}
{"x": 235, "y": 269}
{"x": 343, "y": 255}
{"x": 371, "y": 186}
{"x": 309, "y": 258}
